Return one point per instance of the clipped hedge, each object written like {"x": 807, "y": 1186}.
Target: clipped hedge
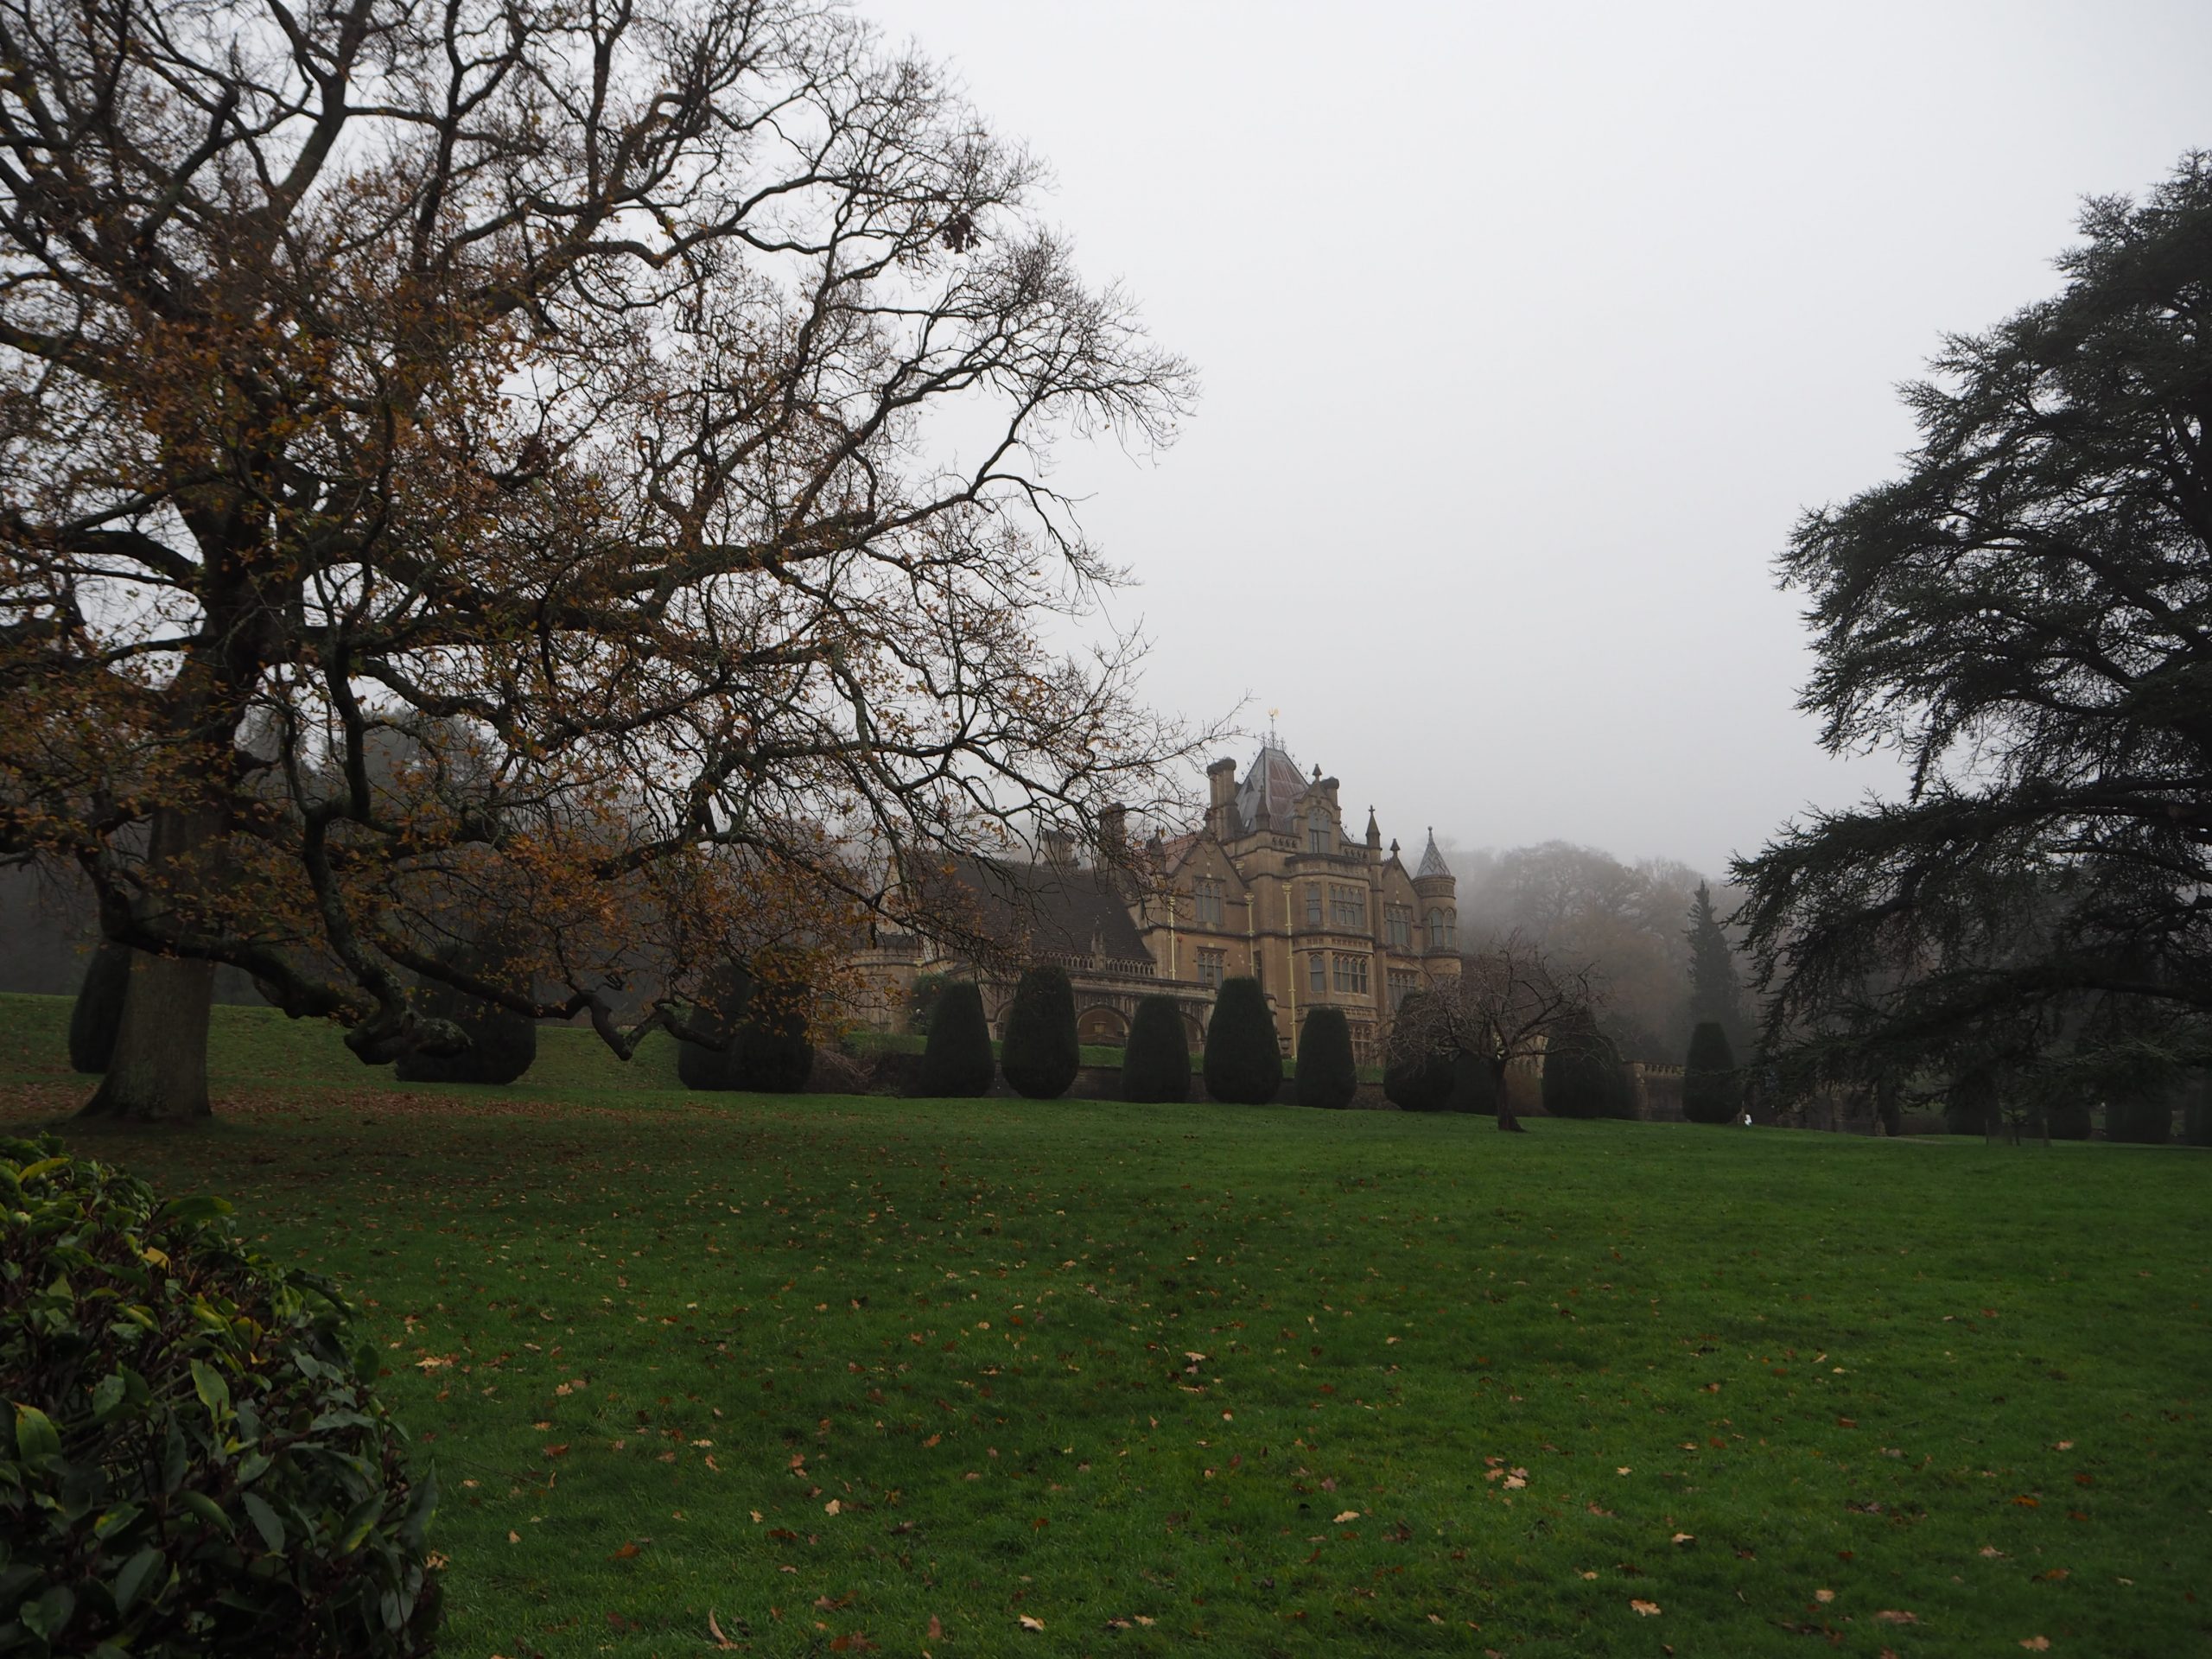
{"x": 197, "y": 1462}
{"x": 97, "y": 1015}
{"x": 502, "y": 1044}
{"x": 1712, "y": 1090}
{"x": 715, "y": 1028}
{"x": 1583, "y": 1073}
{"x": 1421, "y": 1080}
{"x": 956, "y": 1064}
{"x": 1243, "y": 1058}
{"x": 1042, "y": 1055}
{"x": 1327, "y": 1075}
{"x": 1156, "y": 1061}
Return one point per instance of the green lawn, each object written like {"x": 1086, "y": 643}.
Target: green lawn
{"x": 849, "y": 1373}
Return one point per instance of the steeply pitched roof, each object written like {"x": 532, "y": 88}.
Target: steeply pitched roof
{"x": 1431, "y": 862}
{"x": 1028, "y": 909}
{"x": 1270, "y": 792}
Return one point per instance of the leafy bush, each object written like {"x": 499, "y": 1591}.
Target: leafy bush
{"x": 1711, "y": 1092}
{"x": 1416, "y": 1079}
{"x": 97, "y": 1013}
{"x": 1041, "y": 1055}
{"x": 956, "y": 1064}
{"x": 1474, "y": 1085}
{"x": 1327, "y": 1077}
{"x": 2146, "y": 1119}
{"x": 197, "y": 1463}
{"x": 1243, "y": 1058}
{"x": 1156, "y": 1063}
{"x": 1583, "y": 1074}
{"x": 502, "y": 1044}
{"x": 921, "y": 1000}
{"x": 2070, "y": 1118}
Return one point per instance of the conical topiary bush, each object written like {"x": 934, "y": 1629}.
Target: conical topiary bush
{"x": 773, "y": 1054}
{"x": 1243, "y": 1062}
{"x": 97, "y": 1013}
{"x": 1156, "y": 1063}
{"x": 1583, "y": 1074}
{"x": 956, "y": 1064}
{"x": 1327, "y": 1077}
{"x": 1711, "y": 1092}
{"x": 1040, "y": 1054}
{"x": 1416, "y": 1077}
{"x": 719, "y": 1017}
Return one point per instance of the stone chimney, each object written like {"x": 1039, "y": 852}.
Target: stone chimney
{"x": 1059, "y": 847}
{"x": 1220, "y": 796}
{"x": 1114, "y": 831}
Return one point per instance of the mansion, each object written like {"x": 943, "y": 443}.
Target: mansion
{"x": 1274, "y": 883}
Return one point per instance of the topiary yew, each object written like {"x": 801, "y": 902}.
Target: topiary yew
{"x": 1474, "y": 1085}
{"x": 98, "y": 1012}
{"x": 501, "y": 1043}
{"x": 1042, "y": 1055}
{"x": 1416, "y": 1079}
{"x": 1244, "y": 1058}
{"x": 1327, "y": 1076}
{"x": 956, "y": 1064}
{"x": 1583, "y": 1074}
{"x": 770, "y": 1053}
{"x": 716, "y": 1028}
{"x": 1712, "y": 1091}
{"x": 196, "y": 1462}
{"x": 1156, "y": 1063}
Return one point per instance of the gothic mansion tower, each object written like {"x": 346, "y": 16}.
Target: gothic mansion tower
{"x": 1273, "y": 885}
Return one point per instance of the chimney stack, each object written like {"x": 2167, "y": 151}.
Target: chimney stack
{"x": 1114, "y": 831}
{"x": 1221, "y": 790}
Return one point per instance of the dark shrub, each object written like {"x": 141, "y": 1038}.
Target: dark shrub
{"x": 1415, "y": 1079}
{"x": 771, "y": 1054}
{"x": 2147, "y": 1120}
{"x": 1041, "y": 1055}
{"x": 1156, "y": 1063}
{"x": 1326, "y": 1074}
{"x": 719, "y": 1017}
{"x": 1474, "y": 1085}
{"x": 501, "y": 1043}
{"x": 956, "y": 1064}
{"x": 1583, "y": 1074}
{"x": 98, "y": 1010}
{"x": 921, "y": 1001}
{"x": 2070, "y": 1119}
{"x": 1711, "y": 1092}
{"x": 196, "y": 1463}
{"x": 1243, "y": 1059}
{"x": 1968, "y": 1105}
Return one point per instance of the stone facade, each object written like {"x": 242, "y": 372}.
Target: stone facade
{"x": 1272, "y": 883}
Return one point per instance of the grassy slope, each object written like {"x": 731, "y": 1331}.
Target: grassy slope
{"x": 1960, "y": 1383}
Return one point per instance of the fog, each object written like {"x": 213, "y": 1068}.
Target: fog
{"x": 1526, "y": 334}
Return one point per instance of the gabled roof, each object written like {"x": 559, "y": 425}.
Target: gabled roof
{"x": 1431, "y": 862}
{"x": 1029, "y": 910}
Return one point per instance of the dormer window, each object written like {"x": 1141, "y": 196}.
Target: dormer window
{"x": 1320, "y": 838}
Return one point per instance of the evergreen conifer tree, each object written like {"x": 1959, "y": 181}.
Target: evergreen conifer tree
{"x": 1327, "y": 1076}
{"x": 99, "y": 1008}
{"x": 1418, "y": 1079}
{"x": 502, "y": 1044}
{"x": 1715, "y": 996}
{"x": 1474, "y": 1085}
{"x": 1041, "y": 1054}
{"x": 773, "y": 1054}
{"x": 1243, "y": 1059}
{"x": 1156, "y": 1063}
{"x": 720, "y": 1018}
{"x": 1583, "y": 1074}
{"x": 956, "y": 1064}
{"x": 1711, "y": 1092}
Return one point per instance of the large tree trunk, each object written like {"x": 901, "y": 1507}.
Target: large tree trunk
{"x": 1506, "y": 1121}
{"x": 158, "y": 1072}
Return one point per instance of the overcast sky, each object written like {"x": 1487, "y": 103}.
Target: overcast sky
{"x": 1526, "y": 333}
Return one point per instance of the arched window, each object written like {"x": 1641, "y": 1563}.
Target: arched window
{"x": 1441, "y": 930}
{"x": 1318, "y": 838}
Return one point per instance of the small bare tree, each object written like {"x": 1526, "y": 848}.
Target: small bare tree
{"x": 1507, "y": 997}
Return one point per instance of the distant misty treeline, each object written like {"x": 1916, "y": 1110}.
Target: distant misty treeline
{"x": 1628, "y": 921}
{"x": 48, "y": 928}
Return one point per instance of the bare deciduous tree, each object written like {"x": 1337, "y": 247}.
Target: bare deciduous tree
{"x": 1507, "y": 997}
{"x": 636, "y": 415}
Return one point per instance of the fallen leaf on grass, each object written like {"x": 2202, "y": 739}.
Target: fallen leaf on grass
{"x": 1029, "y": 1624}
{"x": 937, "y": 1631}
{"x": 1823, "y": 1595}
{"x": 624, "y": 1554}
{"x": 2036, "y": 1644}
{"x": 560, "y": 1451}
{"x": 1891, "y": 1616}
{"x": 831, "y": 1507}
{"x": 715, "y": 1631}
{"x": 1685, "y": 1538}
{"x": 1645, "y": 1609}
{"x": 514, "y": 1537}
{"x": 1589, "y": 1575}
{"x": 1349, "y": 1515}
